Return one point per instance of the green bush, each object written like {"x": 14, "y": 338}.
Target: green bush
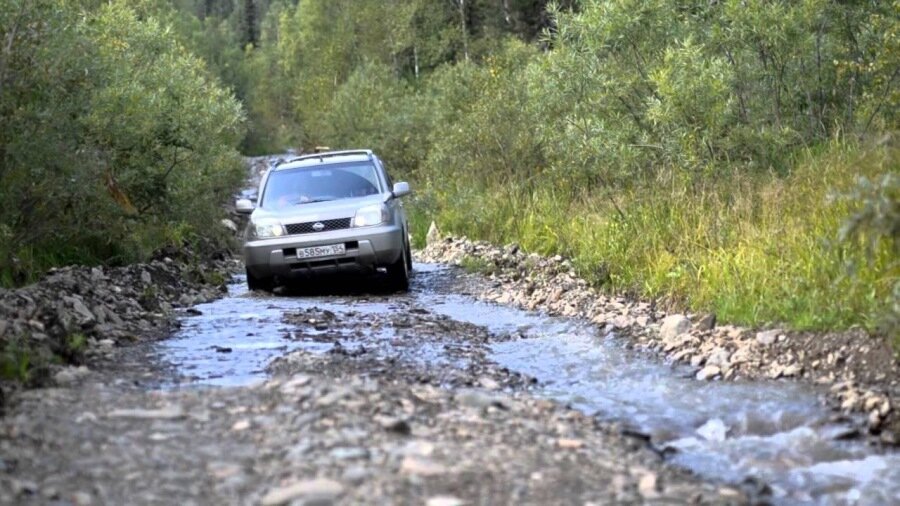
{"x": 114, "y": 140}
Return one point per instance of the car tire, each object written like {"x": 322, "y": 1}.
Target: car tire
{"x": 398, "y": 272}
{"x": 409, "y": 259}
{"x": 254, "y": 283}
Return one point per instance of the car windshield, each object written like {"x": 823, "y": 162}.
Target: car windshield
{"x": 305, "y": 185}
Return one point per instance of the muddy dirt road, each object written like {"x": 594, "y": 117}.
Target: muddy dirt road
{"x": 425, "y": 398}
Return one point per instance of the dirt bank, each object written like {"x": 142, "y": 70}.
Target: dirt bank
{"x": 77, "y": 315}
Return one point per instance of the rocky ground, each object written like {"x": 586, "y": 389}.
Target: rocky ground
{"x": 374, "y": 424}
{"x": 861, "y": 371}
{"x": 78, "y": 312}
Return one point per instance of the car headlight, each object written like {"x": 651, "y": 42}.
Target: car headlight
{"x": 266, "y": 230}
{"x": 371, "y": 215}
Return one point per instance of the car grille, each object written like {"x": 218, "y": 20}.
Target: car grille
{"x": 307, "y": 228}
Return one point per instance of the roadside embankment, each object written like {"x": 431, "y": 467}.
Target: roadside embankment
{"x": 860, "y": 371}
{"x": 76, "y": 313}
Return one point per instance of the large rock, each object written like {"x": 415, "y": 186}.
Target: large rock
{"x": 719, "y": 357}
{"x": 674, "y": 325}
{"x": 767, "y": 337}
{"x": 83, "y": 316}
{"x": 433, "y": 236}
{"x": 230, "y": 225}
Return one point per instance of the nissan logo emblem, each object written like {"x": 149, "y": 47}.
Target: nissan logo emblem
{"x": 319, "y": 226}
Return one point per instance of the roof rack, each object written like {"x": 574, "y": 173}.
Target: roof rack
{"x": 323, "y": 156}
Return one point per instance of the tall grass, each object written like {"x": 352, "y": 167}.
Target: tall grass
{"x": 753, "y": 249}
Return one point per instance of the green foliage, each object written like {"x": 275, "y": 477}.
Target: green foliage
{"x": 15, "y": 362}
{"x": 874, "y": 228}
{"x": 75, "y": 346}
{"x": 114, "y": 140}
{"x": 751, "y": 249}
{"x": 477, "y": 265}
{"x": 375, "y": 109}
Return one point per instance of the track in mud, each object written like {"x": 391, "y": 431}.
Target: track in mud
{"x": 776, "y": 433}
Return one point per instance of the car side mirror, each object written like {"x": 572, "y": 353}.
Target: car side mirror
{"x": 401, "y": 189}
{"x": 244, "y": 206}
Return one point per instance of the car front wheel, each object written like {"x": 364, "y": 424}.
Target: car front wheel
{"x": 398, "y": 272}
{"x": 254, "y": 283}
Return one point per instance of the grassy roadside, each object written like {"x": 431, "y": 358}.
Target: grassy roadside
{"x": 753, "y": 250}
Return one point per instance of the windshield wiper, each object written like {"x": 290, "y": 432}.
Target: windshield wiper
{"x": 312, "y": 201}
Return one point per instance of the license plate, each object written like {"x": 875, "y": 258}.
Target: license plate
{"x": 321, "y": 251}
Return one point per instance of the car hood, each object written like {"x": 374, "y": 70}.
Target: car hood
{"x": 317, "y": 211}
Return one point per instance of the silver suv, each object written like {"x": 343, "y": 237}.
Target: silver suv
{"x": 326, "y": 213}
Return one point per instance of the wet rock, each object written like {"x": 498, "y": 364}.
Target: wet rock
{"x": 317, "y": 491}
{"x": 708, "y": 372}
{"x": 673, "y": 326}
{"x": 713, "y": 430}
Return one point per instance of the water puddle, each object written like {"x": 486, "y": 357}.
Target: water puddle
{"x": 776, "y": 432}
{"x": 235, "y": 338}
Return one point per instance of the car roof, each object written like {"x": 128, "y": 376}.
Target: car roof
{"x": 330, "y": 157}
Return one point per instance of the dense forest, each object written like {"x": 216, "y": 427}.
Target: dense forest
{"x": 735, "y": 156}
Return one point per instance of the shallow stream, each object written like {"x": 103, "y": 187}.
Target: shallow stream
{"x": 777, "y": 432}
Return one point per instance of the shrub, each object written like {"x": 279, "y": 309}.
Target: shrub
{"x": 114, "y": 140}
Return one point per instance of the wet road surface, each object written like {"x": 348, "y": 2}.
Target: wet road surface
{"x": 775, "y": 433}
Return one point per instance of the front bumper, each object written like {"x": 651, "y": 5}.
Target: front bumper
{"x": 366, "y": 249}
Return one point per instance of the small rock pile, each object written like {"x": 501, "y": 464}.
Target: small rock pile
{"x": 862, "y": 370}
{"x": 75, "y": 312}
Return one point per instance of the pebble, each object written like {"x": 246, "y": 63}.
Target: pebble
{"x": 648, "y": 486}
{"x": 355, "y": 475}
{"x": 478, "y": 399}
{"x": 421, "y": 466}
{"x": 569, "y": 444}
{"x": 167, "y": 413}
{"x": 444, "y": 500}
{"x": 320, "y": 490}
